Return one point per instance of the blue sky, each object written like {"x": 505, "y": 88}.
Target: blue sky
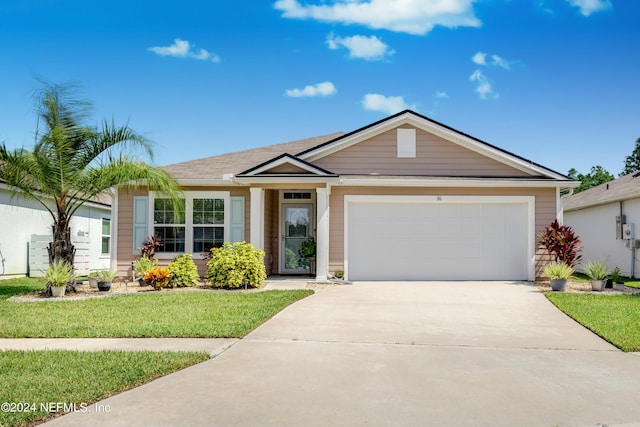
{"x": 555, "y": 81}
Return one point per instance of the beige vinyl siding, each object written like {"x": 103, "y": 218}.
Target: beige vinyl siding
{"x": 545, "y": 211}
{"x": 435, "y": 156}
{"x": 125, "y": 226}
{"x": 287, "y": 168}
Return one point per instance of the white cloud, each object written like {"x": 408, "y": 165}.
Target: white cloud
{"x": 483, "y": 86}
{"x": 385, "y": 104}
{"x": 587, "y": 7}
{"x": 369, "y": 48}
{"x": 184, "y": 49}
{"x": 442, "y": 94}
{"x": 320, "y": 89}
{"x": 480, "y": 58}
{"x": 499, "y": 62}
{"x": 404, "y": 16}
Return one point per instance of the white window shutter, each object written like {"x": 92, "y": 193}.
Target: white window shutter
{"x": 237, "y": 219}
{"x": 140, "y": 221}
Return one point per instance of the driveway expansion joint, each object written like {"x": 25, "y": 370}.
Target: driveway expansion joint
{"x": 425, "y": 345}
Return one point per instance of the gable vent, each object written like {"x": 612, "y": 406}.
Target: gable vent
{"x": 406, "y": 143}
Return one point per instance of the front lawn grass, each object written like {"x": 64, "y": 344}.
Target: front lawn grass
{"x": 179, "y": 314}
{"x": 68, "y": 377}
{"x": 616, "y": 318}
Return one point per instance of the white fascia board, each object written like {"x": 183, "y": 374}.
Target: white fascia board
{"x": 287, "y": 160}
{"x": 195, "y": 182}
{"x": 435, "y": 129}
{"x": 87, "y": 203}
{"x": 416, "y": 182}
{"x": 248, "y": 180}
{"x": 354, "y": 139}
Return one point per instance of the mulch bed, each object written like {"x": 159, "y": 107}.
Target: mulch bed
{"x": 582, "y": 287}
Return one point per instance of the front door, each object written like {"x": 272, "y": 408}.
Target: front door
{"x": 297, "y": 227}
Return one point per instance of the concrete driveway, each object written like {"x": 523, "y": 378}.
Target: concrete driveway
{"x": 390, "y": 354}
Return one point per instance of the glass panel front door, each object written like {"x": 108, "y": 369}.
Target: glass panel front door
{"x": 297, "y": 228}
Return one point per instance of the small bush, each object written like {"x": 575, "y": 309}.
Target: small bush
{"x": 184, "y": 271}
{"x": 558, "y": 270}
{"x": 144, "y": 264}
{"x": 158, "y": 277}
{"x": 235, "y": 266}
{"x": 60, "y": 273}
{"x": 562, "y": 243}
{"x": 596, "y": 270}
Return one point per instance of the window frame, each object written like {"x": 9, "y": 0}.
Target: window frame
{"x": 102, "y": 236}
{"x": 189, "y": 196}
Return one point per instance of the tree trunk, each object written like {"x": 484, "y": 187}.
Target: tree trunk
{"x": 61, "y": 248}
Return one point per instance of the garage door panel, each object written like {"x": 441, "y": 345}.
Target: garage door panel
{"x": 437, "y": 241}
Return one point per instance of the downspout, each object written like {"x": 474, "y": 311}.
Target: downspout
{"x": 2, "y": 260}
{"x": 633, "y": 250}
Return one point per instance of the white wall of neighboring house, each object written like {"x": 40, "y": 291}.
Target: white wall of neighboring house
{"x": 20, "y": 218}
{"x": 596, "y": 227}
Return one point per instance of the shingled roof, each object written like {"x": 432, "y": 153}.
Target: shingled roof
{"x": 624, "y": 188}
{"x": 215, "y": 167}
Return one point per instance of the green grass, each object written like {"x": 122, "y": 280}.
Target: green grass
{"x": 76, "y": 377}
{"x": 180, "y": 314}
{"x": 616, "y": 318}
{"x": 24, "y": 285}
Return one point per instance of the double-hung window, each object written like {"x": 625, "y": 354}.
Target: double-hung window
{"x": 169, "y": 224}
{"x": 197, "y": 224}
{"x": 105, "y": 243}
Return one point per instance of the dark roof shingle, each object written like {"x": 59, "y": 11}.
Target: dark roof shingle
{"x": 215, "y": 167}
{"x": 623, "y": 188}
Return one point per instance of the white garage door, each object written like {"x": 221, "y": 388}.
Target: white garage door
{"x": 428, "y": 238}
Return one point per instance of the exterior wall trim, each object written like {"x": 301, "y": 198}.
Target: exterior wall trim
{"x": 451, "y": 182}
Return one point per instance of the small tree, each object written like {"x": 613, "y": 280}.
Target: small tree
{"x": 597, "y": 176}
{"x": 632, "y": 162}
{"x": 72, "y": 163}
{"x": 562, "y": 243}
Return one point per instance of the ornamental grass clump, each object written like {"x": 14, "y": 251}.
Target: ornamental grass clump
{"x": 235, "y": 266}
{"x": 157, "y": 277}
{"x": 596, "y": 270}
{"x": 60, "y": 273}
{"x": 144, "y": 264}
{"x": 558, "y": 270}
{"x": 184, "y": 271}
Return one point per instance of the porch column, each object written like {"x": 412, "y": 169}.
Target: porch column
{"x": 256, "y": 228}
{"x": 322, "y": 234}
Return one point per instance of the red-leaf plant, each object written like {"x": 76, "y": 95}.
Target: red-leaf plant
{"x": 562, "y": 243}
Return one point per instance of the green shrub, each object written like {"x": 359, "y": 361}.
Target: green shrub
{"x": 558, "y": 270}
{"x": 60, "y": 273}
{"x": 144, "y": 264}
{"x": 157, "y": 277}
{"x": 596, "y": 270}
{"x": 235, "y": 266}
{"x": 106, "y": 275}
{"x": 183, "y": 271}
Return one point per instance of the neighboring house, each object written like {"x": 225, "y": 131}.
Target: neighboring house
{"x": 593, "y": 214}
{"x": 404, "y": 198}
{"x": 20, "y": 219}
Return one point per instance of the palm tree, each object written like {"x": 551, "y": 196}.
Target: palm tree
{"x": 72, "y": 163}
